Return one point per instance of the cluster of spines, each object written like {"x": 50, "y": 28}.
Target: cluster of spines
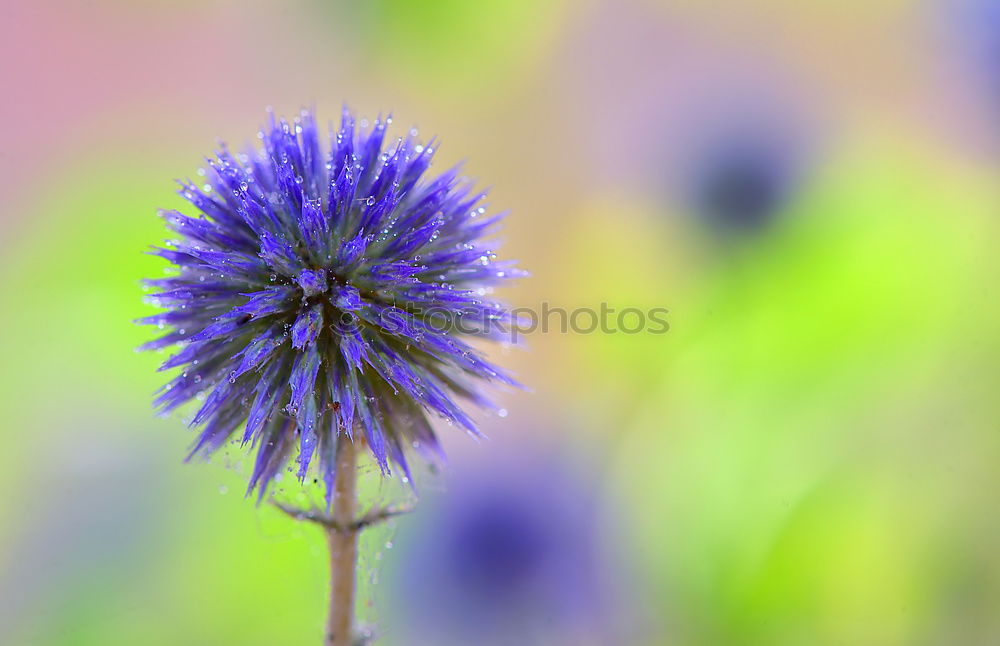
{"x": 321, "y": 293}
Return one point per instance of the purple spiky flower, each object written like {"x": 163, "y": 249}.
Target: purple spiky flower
{"x": 324, "y": 296}
{"x": 499, "y": 560}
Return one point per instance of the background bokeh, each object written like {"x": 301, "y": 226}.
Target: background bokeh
{"x": 809, "y": 455}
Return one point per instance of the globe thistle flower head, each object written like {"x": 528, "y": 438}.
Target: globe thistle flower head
{"x": 501, "y": 560}
{"x": 328, "y": 294}
{"x": 743, "y": 147}
{"x": 741, "y": 184}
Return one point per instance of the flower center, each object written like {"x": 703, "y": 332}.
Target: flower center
{"x": 312, "y": 282}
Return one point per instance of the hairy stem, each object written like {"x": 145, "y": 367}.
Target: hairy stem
{"x": 342, "y": 527}
{"x": 342, "y": 536}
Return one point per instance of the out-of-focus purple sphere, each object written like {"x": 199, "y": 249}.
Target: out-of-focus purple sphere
{"x": 515, "y": 552}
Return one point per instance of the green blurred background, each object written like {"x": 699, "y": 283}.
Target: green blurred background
{"x": 810, "y": 455}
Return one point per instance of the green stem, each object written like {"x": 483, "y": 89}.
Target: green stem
{"x": 342, "y": 537}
